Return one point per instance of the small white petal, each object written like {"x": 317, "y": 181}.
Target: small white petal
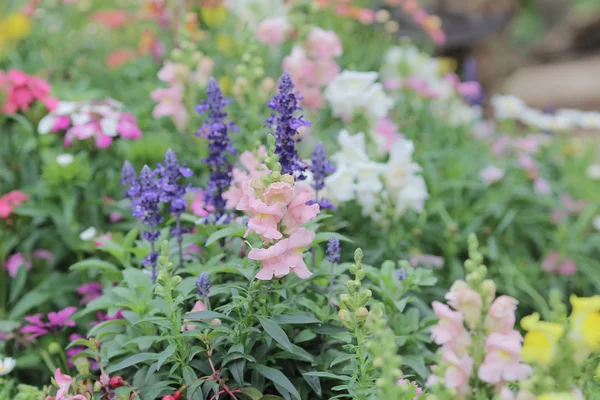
{"x": 46, "y": 124}
{"x": 109, "y": 126}
{"x": 64, "y": 159}
{"x": 80, "y": 118}
{"x": 88, "y": 234}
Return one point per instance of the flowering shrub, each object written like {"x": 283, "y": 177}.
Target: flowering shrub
{"x": 236, "y": 250}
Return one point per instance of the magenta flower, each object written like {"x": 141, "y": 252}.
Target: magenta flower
{"x": 15, "y": 262}
{"x": 102, "y": 317}
{"x": 56, "y": 321}
{"x": 73, "y": 351}
{"x": 89, "y": 291}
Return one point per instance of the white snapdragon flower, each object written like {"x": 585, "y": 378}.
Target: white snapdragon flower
{"x": 508, "y": 107}
{"x": 353, "y": 91}
{"x": 353, "y": 148}
{"x": 412, "y": 196}
{"x": 7, "y": 365}
{"x": 340, "y": 185}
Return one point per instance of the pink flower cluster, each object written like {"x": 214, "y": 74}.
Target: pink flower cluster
{"x": 559, "y": 265}
{"x": 10, "y": 201}
{"x": 272, "y": 31}
{"x": 171, "y": 100}
{"x": 312, "y": 66}
{"x": 56, "y": 321}
{"x": 23, "y": 90}
{"x": 568, "y": 207}
{"x": 456, "y": 333}
{"x": 102, "y": 121}
{"x": 277, "y": 213}
{"x": 524, "y": 148}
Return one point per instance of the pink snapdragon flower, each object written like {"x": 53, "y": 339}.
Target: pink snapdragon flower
{"x": 174, "y": 73}
{"x": 299, "y": 211}
{"x": 15, "y": 262}
{"x": 284, "y": 256}
{"x": 56, "y": 321}
{"x": 198, "y": 205}
{"x": 322, "y": 44}
{"x": 272, "y": 31}
{"x": 459, "y": 370}
{"x": 450, "y": 330}
{"x": 23, "y": 90}
{"x": 541, "y": 186}
{"x": 170, "y": 104}
{"x": 502, "y": 362}
{"x": 501, "y": 315}
{"x": 265, "y": 220}
{"x": 467, "y": 301}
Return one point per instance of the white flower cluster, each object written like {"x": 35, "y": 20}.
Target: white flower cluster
{"x": 351, "y": 92}
{"x": 404, "y": 61}
{"x": 512, "y": 107}
{"x": 374, "y": 185}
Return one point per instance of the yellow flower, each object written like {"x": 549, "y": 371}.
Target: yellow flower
{"x": 15, "y": 27}
{"x": 225, "y": 44}
{"x": 585, "y": 325}
{"x": 226, "y": 84}
{"x": 540, "y": 342}
{"x": 446, "y": 65}
{"x": 214, "y": 16}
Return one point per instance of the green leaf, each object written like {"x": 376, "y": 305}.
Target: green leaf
{"x": 342, "y": 358}
{"x": 231, "y": 231}
{"x": 276, "y": 333}
{"x": 253, "y": 393}
{"x": 108, "y": 270}
{"x": 295, "y": 319}
{"x": 9, "y": 326}
{"x": 205, "y": 315}
{"x": 328, "y": 375}
{"x": 17, "y": 285}
{"x": 277, "y": 377}
{"x": 169, "y": 351}
{"x": 133, "y": 360}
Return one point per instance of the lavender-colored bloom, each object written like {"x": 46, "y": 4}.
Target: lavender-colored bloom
{"x": 333, "y": 249}
{"x": 401, "y": 274}
{"x": 326, "y": 204}
{"x": 56, "y": 321}
{"x": 216, "y": 129}
{"x": 145, "y": 202}
{"x": 320, "y": 167}
{"x": 89, "y": 291}
{"x": 203, "y": 284}
{"x": 286, "y": 125}
{"x": 173, "y": 192}
{"x": 127, "y": 174}
{"x": 471, "y": 74}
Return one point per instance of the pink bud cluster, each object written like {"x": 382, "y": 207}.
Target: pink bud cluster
{"x": 101, "y": 121}
{"x": 475, "y": 337}
{"x": 23, "y": 90}
{"x": 313, "y": 66}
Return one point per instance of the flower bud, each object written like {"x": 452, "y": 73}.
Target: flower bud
{"x": 361, "y": 314}
{"x": 360, "y": 274}
{"x": 488, "y": 287}
{"x": 55, "y": 348}
{"x": 344, "y": 315}
{"x": 176, "y": 279}
{"x": 344, "y": 298}
{"x": 116, "y": 382}
{"x": 358, "y": 256}
{"x": 97, "y": 387}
